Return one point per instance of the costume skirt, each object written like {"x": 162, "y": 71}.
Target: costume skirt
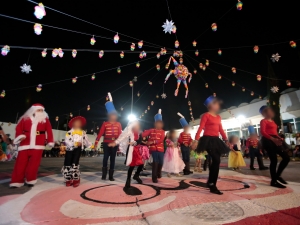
{"x": 236, "y": 159}
{"x": 269, "y": 144}
{"x": 212, "y": 144}
{"x": 196, "y": 155}
{"x": 136, "y": 157}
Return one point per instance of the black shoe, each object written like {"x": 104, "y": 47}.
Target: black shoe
{"x": 281, "y": 180}
{"x": 30, "y": 185}
{"x": 159, "y": 175}
{"x": 264, "y": 168}
{"x": 252, "y": 168}
{"x": 190, "y": 172}
{"x": 137, "y": 178}
{"x": 111, "y": 175}
{"x": 154, "y": 172}
{"x": 276, "y": 184}
{"x": 104, "y": 173}
{"x": 213, "y": 189}
{"x": 127, "y": 185}
{"x": 185, "y": 172}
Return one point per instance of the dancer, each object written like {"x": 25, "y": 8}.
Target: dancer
{"x": 254, "y": 148}
{"x": 172, "y": 161}
{"x": 31, "y": 132}
{"x": 274, "y": 145}
{"x": 111, "y": 131}
{"x": 75, "y": 140}
{"x": 210, "y": 142}
{"x": 235, "y": 158}
{"x": 185, "y": 142}
{"x": 197, "y": 156}
{"x": 130, "y": 143}
{"x": 156, "y": 138}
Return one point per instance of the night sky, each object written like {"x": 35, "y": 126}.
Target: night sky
{"x": 257, "y": 24}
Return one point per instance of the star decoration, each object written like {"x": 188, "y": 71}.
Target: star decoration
{"x": 163, "y": 96}
{"x": 168, "y": 26}
{"x": 25, "y": 68}
{"x": 275, "y": 57}
{"x": 274, "y": 89}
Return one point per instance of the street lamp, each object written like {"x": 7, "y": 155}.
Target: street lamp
{"x": 131, "y": 117}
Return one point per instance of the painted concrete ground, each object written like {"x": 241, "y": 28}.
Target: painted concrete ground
{"x": 247, "y": 199}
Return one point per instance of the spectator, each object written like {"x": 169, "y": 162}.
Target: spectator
{"x": 3, "y": 146}
{"x": 9, "y": 149}
{"x": 296, "y": 152}
{"x": 62, "y": 150}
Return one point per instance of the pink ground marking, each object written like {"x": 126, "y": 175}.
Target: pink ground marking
{"x": 8, "y": 198}
{"x": 8, "y": 175}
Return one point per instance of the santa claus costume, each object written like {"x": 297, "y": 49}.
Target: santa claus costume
{"x": 32, "y": 131}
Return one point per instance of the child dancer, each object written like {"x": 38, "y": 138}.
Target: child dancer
{"x": 75, "y": 140}
{"x": 235, "y": 158}
{"x": 172, "y": 161}
{"x": 185, "y": 141}
{"x": 197, "y": 156}
{"x": 156, "y": 145}
{"x": 210, "y": 141}
{"x": 135, "y": 152}
{"x": 274, "y": 145}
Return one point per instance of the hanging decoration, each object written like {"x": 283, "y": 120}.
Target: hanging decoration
{"x": 196, "y": 53}
{"x": 140, "y": 44}
{"x": 5, "y": 50}
{"x": 122, "y": 108}
{"x": 60, "y": 53}
{"x": 118, "y": 70}
{"x": 260, "y": 97}
{"x": 122, "y": 55}
{"x": 25, "y": 68}
{"x": 141, "y": 55}
{"x": 174, "y": 29}
{"x": 101, "y": 54}
{"x": 181, "y": 60}
{"x": 157, "y": 96}
{"x": 158, "y": 55}
{"x": 275, "y": 57}
{"x": 2, "y": 95}
{"x": 71, "y": 115}
{"x": 44, "y": 53}
{"x": 148, "y": 107}
{"x": 38, "y": 28}
{"x": 201, "y": 66}
{"x": 176, "y": 54}
{"x": 138, "y": 94}
{"x": 54, "y": 53}
{"x": 274, "y": 89}
{"x": 93, "y": 40}
{"x": 233, "y": 83}
{"x": 180, "y": 54}
{"x": 258, "y": 77}
{"x": 56, "y": 118}
{"x": 219, "y": 52}
{"x": 164, "y": 96}
{"x": 243, "y": 89}
{"x": 206, "y": 85}
{"x": 150, "y": 83}
{"x": 255, "y": 49}
{"x": 219, "y": 77}
{"x": 132, "y": 46}
{"x": 93, "y": 77}
{"x": 167, "y": 66}
{"x": 168, "y": 26}
{"x": 39, "y": 11}
{"x": 214, "y": 27}
{"x": 131, "y": 83}
{"x": 189, "y": 103}
{"x": 144, "y": 54}
{"x": 158, "y": 67}
{"x": 39, "y": 88}
{"x": 74, "y": 80}
{"x": 116, "y": 38}
{"x": 207, "y": 62}
{"x": 194, "y": 43}
{"x": 239, "y": 5}
{"x": 88, "y": 108}
{"x": 138, "y": 65}
{"x": 288, "y": 83}
{"x": 274, "y": 103}
{"x": 152, "y": 103}
{"x": 145, "y": 111}
{"x": 233, "y": 69}
{"x": 176, "y": 44}
{"x": 251, "y": 93}
{"x": 163, "y": 51}
{"x": 181, "y": 73}
{"x": 214, "y": 94}
{"x": 204, "y": 68}
{"x": 293, "y": 44}
{"x": 74, "y": 53}
{"x": 195, "y": 71}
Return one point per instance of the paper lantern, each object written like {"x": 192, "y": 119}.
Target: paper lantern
{"x": 122, "y": 55}
{"x": 148, "y": 107}
{"x": 207, "y": 62}
{"x": 71, "y": 114}
{"x": 255, "y": 49}
{"x": 60, "y": 53}
{"x": 233, "y": 83}
{"x": 176, "y": 44}
{"x": 195, "y": 71}
{"x": 74, "y": 53}
{"x": 44, "y": 53}
{"x": 88, "y": 108}
{"x": 158, "y": 67}
{"x": 196, "y": 53}
{"x": 288, "y": 83}
{"x": 145, "y": 111}
{"x": 144, "y": 54}
{"x": 150, "y": 83}
{"x": 157, "y": 96}
{"x": 152, "y": 102}
{"x": 116, "y": 38}
{"x": 206, "y": 85}
{"x": 131, "y": 83}
{"x": 233, "y": 69}
{"x": 214, "y": 27}
{"x": 5, "y": 50}
{"x": 138, "y": 65}
{"x": 219, "y": 52}
{"x": 219, "y": 77}
{"x": 39, "y": 88}
{"x": 189, "y": 103}
{"x": 118, "y": 70}
{"x": 201, "y": 66}
{"x": 174, "y": 29}
{"x": 93, "y": 40}
{"x": 38, "y": 28}
{"x": 258, "y": 77}
{"x": 181, "y": 60}
{"x": 194, "y": 43}
{"x": 293, "y": 44}
{"x": 167, "y": 66}
{"x": 138, "y": 94}
{"x": 74, "y": 80}
{"x": 101, "y": 54}
{"x": 39, "y": 11}
{"x": 93, "y": 77}
{"x": 204, "y": 68}
{"x": 214, "y": 94}
{"x": 132, "y": 47}
{"x": 239, "y": 5}
{"x": 158, "y": 55}
{"x": 243, "y": 89}
{"x": 2, "y": 95}
{"x": 251, "y": 93}
{"x": 56, "y": 118}
{"x": 140, "y": 44}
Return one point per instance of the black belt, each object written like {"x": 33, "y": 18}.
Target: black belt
{"x": 37, "y": 132}
{"x": 110, "y": 139}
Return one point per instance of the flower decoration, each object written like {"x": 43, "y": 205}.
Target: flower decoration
{"x": 163, "y": 96}
{"x": 275, "y": 57}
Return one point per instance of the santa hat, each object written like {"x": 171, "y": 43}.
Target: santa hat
{"x": 82, "y": 119}
{"x": 158, "y": 116}
{"x": 110, "y": 108}
{"x": 37, "y": 106}
{"x": 182, "y": 120}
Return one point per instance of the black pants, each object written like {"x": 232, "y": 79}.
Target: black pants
{"x": 255, "y": 152}
{"x": 109, "y": 152}
{"x": 214, "y": 167}
{"x": 131, "y": 168}
{"x": 185, "y": 151}
{"x": 272, "y": 151}
{"x": 72, "y": 157}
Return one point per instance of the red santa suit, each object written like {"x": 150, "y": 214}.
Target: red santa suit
{"x": 32, "y": 136}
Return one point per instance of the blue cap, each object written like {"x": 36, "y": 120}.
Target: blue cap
{"x": 209, "y": 100}
{"x": 110, "y": 108}
{"x": 262, "y": 108}
{"x": 183, "y": 122}
{"x": 251, "y": 129}
{"x": 158, "y": 116}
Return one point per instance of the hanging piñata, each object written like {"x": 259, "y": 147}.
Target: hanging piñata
{"x": 39, "y": 11}
{"x": 122, "y": 108}
{"x": 233, "y": 83}
{"x": 140, "y": 44}
{"x": 44, "y": 53}
{"x": 219, "y": 77}
{"x": 293, "y": 44}
{"x": 93, "y": 40}
{"x": 158, "y": 55}
{"x": 93, "y": 77}
{"x": 288, "y": 83}
{"x": 60, "y": 53}
{"x": 255, "y": 49}
{"x": 181, "y": 73}
{"x": 168, "y": 26}
{"x": 101, "y": 54}
{"x": 71, "y": 114}
{"x": 54, "y": 53}
{"x": 181, "y": 60}
{"x": 195, "y": 71}
{"x": 260, "y": 97}
{"x": 201, "y": 66}
{"x": 164, "y": 96}
{"x": 74, "y": 80}
{"x": 132, "y": 47}
{"x": 206, "y": 85}
{"x": 275, "y": 57}
{"x": 116, "y": 38}
{"x": 119, "y": 70}
{"x": 204, "y": 68}
{"x": 189, "y": 103}
{"x": 122, "y": 55}
{"x": 258, "y": 77}
{"x": 138, "y": 65}
{"x": 207, "y": 62}
{"x": 274, "y": 89}
{"x": 74, "y": 53}
{"x": 196, "y": 53}
{"x": 243, "y": 89}
{"x": 214, "y": 27}
{"x": 5, "y": 50}
{"x": 233, "y": 69}
{"x": 25, "y": 68}
{"x": 38, "y": 28}
{"x": 157, "y": 96}
{"x": 56, "y": 118}
{"x": 152, "y": 103}
{"x": 150, "y": 82}
{"x": 163, "y": 51}
{"x": 194, "y": 43}
{"x": 158, "y": 67}
{"x": 39, "y": 88}
{"x": 252, "y": 93}
{"x": 148, "y": 107}
{"x": 176, "y": 44}
{"x": 2, "y": 95}
{"x": 88, "y": 108}
{"x": 174, "y": 29}
{"x": 141, "y": 55}
{"x": 167, "y": 66}
{"x": 145, "y": 111}
{"x": 239, "y": 5}
{"x": 131, "y": 83}
{"x": 144, "y": 54}
{"x": 219, "y": 52}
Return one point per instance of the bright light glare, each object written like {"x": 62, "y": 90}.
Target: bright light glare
{"x": 131, "y": 117}
{"x": 241, "y": 118}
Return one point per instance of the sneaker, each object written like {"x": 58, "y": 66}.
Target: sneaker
{"x": 276, "y": 184}
{"x": 281, "y": 180}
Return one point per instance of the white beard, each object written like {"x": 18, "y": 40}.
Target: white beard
{"x": 40, "y": 117}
